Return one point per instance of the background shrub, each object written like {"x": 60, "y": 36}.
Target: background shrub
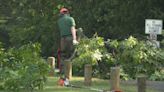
{"x": 22, "y": 68}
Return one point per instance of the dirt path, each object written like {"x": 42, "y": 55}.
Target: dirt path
{"x": 157, "y": 85}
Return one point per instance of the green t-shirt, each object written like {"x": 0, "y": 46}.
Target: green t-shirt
{"x": 65, "y": 23}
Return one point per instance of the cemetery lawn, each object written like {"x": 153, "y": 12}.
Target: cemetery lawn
{"x": 51, "y": 86}
{"x": 97, "y": 84}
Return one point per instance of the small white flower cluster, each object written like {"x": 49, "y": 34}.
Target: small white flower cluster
{"x": 97, "y": 55}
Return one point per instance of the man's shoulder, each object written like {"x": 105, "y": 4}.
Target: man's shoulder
{"x": 70, "y": 18}
{"x": 65, "y": 18}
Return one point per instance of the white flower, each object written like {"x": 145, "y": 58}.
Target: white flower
{"x": 97, "y": 55}
{"x": 86, "y": 46}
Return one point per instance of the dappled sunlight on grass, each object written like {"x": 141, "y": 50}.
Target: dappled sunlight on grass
{"x": 52, "y": 86}
{"x": 99, "y": 84}
{"x": 78, "y": 82}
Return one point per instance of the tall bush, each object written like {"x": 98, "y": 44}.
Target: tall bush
{"x": 22, "y": 68}
{"x": 115, "y": 19}
{"x": 90, "y": 51}
{"x": 30, "y": 21}
{"x": 137, "y": 57}
{"x": 132, "y": 55}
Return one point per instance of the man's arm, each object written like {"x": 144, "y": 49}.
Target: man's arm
{"x": 73, "y": 31}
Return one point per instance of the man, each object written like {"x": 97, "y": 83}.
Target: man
{"x": 67, "y": 29}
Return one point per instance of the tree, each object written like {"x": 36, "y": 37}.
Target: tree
{"x": 115, "y": 18}
{"x": 31, "y": 21}
{"x": 35, "y": 20}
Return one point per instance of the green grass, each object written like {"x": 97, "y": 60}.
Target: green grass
{"x": 52, "y": 86}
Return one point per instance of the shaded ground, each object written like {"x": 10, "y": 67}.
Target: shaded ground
{"x": 97, "y": 86}
{"x": 155, "y": 85}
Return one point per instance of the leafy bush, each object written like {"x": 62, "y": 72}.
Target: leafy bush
{"x": 158, "y": 75}
{"x": 133, "y": 56}
{"x": 22, "y": 68}
{"x": 114, "y": 19}
{"x": 90, "y": 51}
{"x": 28, "y": 21}
{"x": 137, "y": 57}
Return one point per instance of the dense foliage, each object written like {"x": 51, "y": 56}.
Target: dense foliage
{"x": 116, "y": 19}
{"x": 22, "y": 68}
{"x": 136, "y": 57}
{"x": 133, "y": 56}
{"x": 90, "y": 51}
{"x": 24, "y": 21}
{"x": 29, "y": 21}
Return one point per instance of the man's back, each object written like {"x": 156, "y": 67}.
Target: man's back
{"x": 65, "y": 23}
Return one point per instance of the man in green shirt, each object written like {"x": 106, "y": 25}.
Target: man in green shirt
{"x": 67, "y": 29}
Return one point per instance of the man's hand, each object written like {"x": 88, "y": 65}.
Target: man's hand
{"x": 75, "y": 42}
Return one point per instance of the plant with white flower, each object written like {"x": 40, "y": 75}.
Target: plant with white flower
{"x": 97, "y": 55}
{"x": 86, "y": 46}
